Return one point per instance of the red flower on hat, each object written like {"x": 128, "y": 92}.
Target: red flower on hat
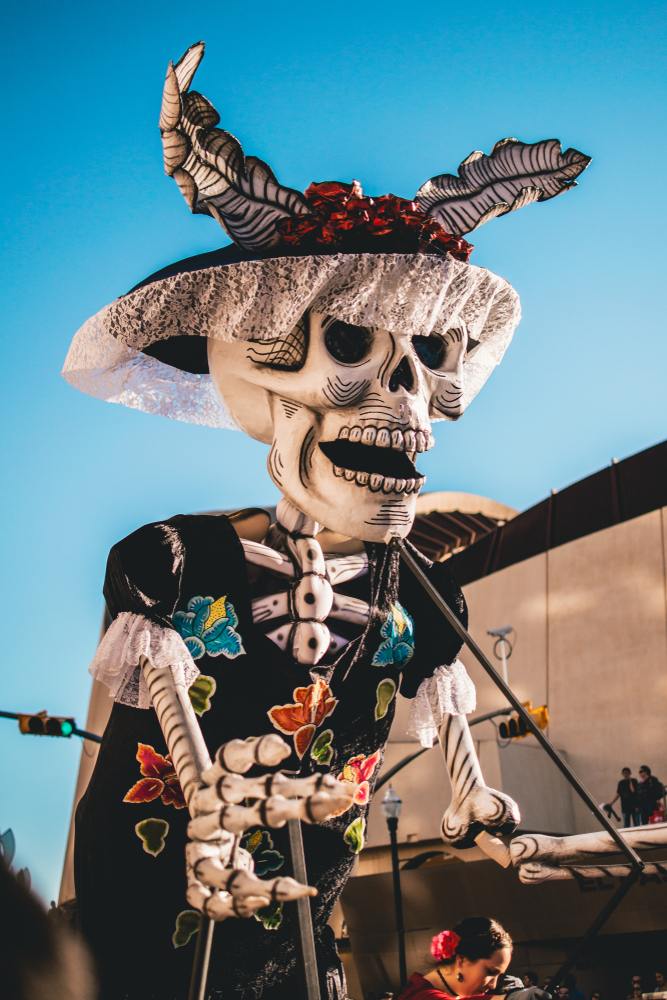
{"x": 443, "y": 946}
{"x": 342, "y": 215}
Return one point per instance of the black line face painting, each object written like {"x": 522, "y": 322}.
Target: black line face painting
{"x": 347, "y": 410}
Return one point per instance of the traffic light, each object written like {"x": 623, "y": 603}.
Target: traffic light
{"x": 515, "y": 728}
{"x": 42, "y": 724}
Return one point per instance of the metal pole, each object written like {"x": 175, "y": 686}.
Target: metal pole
{"x": 201, "y": 959}
{"x": 302, "y": 918}
{"x": 504, "y": 659}
{"x": 602, "y": 918}
{"x": 579, "y": 787}
{"x": 392, "y": 823}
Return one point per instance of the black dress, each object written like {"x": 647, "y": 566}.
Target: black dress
{"x": 129, "y": 849}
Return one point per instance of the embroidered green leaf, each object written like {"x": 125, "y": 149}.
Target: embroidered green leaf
{"x": 201, "y": 691}
{"x": 187, "y": 924}
{"x": 261, "y": 846}
{"x": 271, "y": 916}
{"x": 354, "y": 835}
{"x": 385, "y": 692}
{"x": 321, "y": 750}
{"x": 153, "y": 832}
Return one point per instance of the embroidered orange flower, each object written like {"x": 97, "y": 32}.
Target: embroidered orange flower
{"x": 313, "y": 704}
{"x": 160, "y": 779}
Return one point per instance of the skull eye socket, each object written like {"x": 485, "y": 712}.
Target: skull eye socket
{"x": 346, "y": 343}
{"x": 430, "y": 350}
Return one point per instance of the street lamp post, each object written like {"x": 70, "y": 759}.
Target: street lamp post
{"x": 502, "y": 641}
{"x": 391, "y": 810}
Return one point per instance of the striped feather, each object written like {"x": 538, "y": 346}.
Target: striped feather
{"x": 513, "y": 176}
{"x": 187, "y": 65}
{"x": 241, "y": 192}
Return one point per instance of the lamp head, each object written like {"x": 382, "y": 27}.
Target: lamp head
{"x": 391, "y": 804}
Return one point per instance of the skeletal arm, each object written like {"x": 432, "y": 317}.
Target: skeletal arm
{"x": 220, "y": 879}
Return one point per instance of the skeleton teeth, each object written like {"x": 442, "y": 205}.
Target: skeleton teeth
{"x": 355, "y": 434}
{"x": 343, "y": 433}
{"x": 400, "y": 485}
{"x": 430, "y": 440}
{"x": 397, "y": 440}
{"x": 388, "y": 484}
{"x": 338, "y": 471}
{"x": 421, "y": 441}
{"x": 362, "y": 478}
{"x": 411, "y": 455}
{"x": 350, "y": 475}
{"x": 383, "y": 439}
{"x": 410, "y": 485}
{"x": 375, "y": 482}
{"x": 369, "y": 435}
{"x": 410, "y": 441}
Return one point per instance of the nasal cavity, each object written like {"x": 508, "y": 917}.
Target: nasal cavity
{"x": 402, "y": 376}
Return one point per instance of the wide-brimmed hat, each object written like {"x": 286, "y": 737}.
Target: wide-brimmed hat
{"x": 373, "y": 262}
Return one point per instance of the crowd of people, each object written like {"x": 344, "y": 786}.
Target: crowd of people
{"x": 641, "y": 801}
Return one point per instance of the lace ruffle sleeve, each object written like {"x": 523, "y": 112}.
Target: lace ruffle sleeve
{"x": 116, "y": 662}
{"x": 450, "y": 691}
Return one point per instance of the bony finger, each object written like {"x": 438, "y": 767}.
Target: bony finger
{"x": 206, "y": 827}
{"x": 238, "y": 756}
{"x": 286, "y": 889}
{"x": 220, "y": 906}
{"x": 197, "y": 850}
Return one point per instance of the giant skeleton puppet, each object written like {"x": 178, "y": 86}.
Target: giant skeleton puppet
{"x": 335, "y": 329}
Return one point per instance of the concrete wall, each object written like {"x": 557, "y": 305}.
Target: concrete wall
{"x": 591, "y": 622}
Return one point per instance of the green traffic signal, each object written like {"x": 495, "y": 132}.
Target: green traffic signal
{"x": 42, "y": 724}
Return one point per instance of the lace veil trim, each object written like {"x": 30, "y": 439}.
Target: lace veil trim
{"x": 260, "y": 300}
{"x": 450, "y": 691}
{"x": 116, "y": 662}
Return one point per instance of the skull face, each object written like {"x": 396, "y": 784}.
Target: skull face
{"x": 346, "y": 409}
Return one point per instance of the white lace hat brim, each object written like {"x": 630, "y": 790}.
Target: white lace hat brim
{"x": 263, "y": 299}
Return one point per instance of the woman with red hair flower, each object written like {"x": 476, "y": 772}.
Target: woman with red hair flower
{"x": 470, "y": 961}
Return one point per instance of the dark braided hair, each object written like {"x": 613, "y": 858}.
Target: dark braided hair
{"x": 480, "y": 937}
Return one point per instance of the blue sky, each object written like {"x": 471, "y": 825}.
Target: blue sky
{"x": 390, "y": 93}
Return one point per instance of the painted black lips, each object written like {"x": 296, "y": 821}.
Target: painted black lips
{"x": 359, "y": 457}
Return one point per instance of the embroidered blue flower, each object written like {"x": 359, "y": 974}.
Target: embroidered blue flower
{"x": 398, "y": 633}
{"x": 209, "y": 626}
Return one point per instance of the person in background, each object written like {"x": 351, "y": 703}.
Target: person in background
{"x": 530, "y": 979}
{"x": 547, "y": 983}
{"x": 660, "y": 983}
{"x": 563, "y": 993}
{"x": 570, "y": 981}
{"x": 650, "y": 793}
{"x": 627, "y": 792}
{"x": 469, "y": 960}
{"x": 39, "y": 959}
{"x": 596, "y": 996}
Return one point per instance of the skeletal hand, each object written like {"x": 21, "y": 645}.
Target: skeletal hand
{"x": 221, "y": 882}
